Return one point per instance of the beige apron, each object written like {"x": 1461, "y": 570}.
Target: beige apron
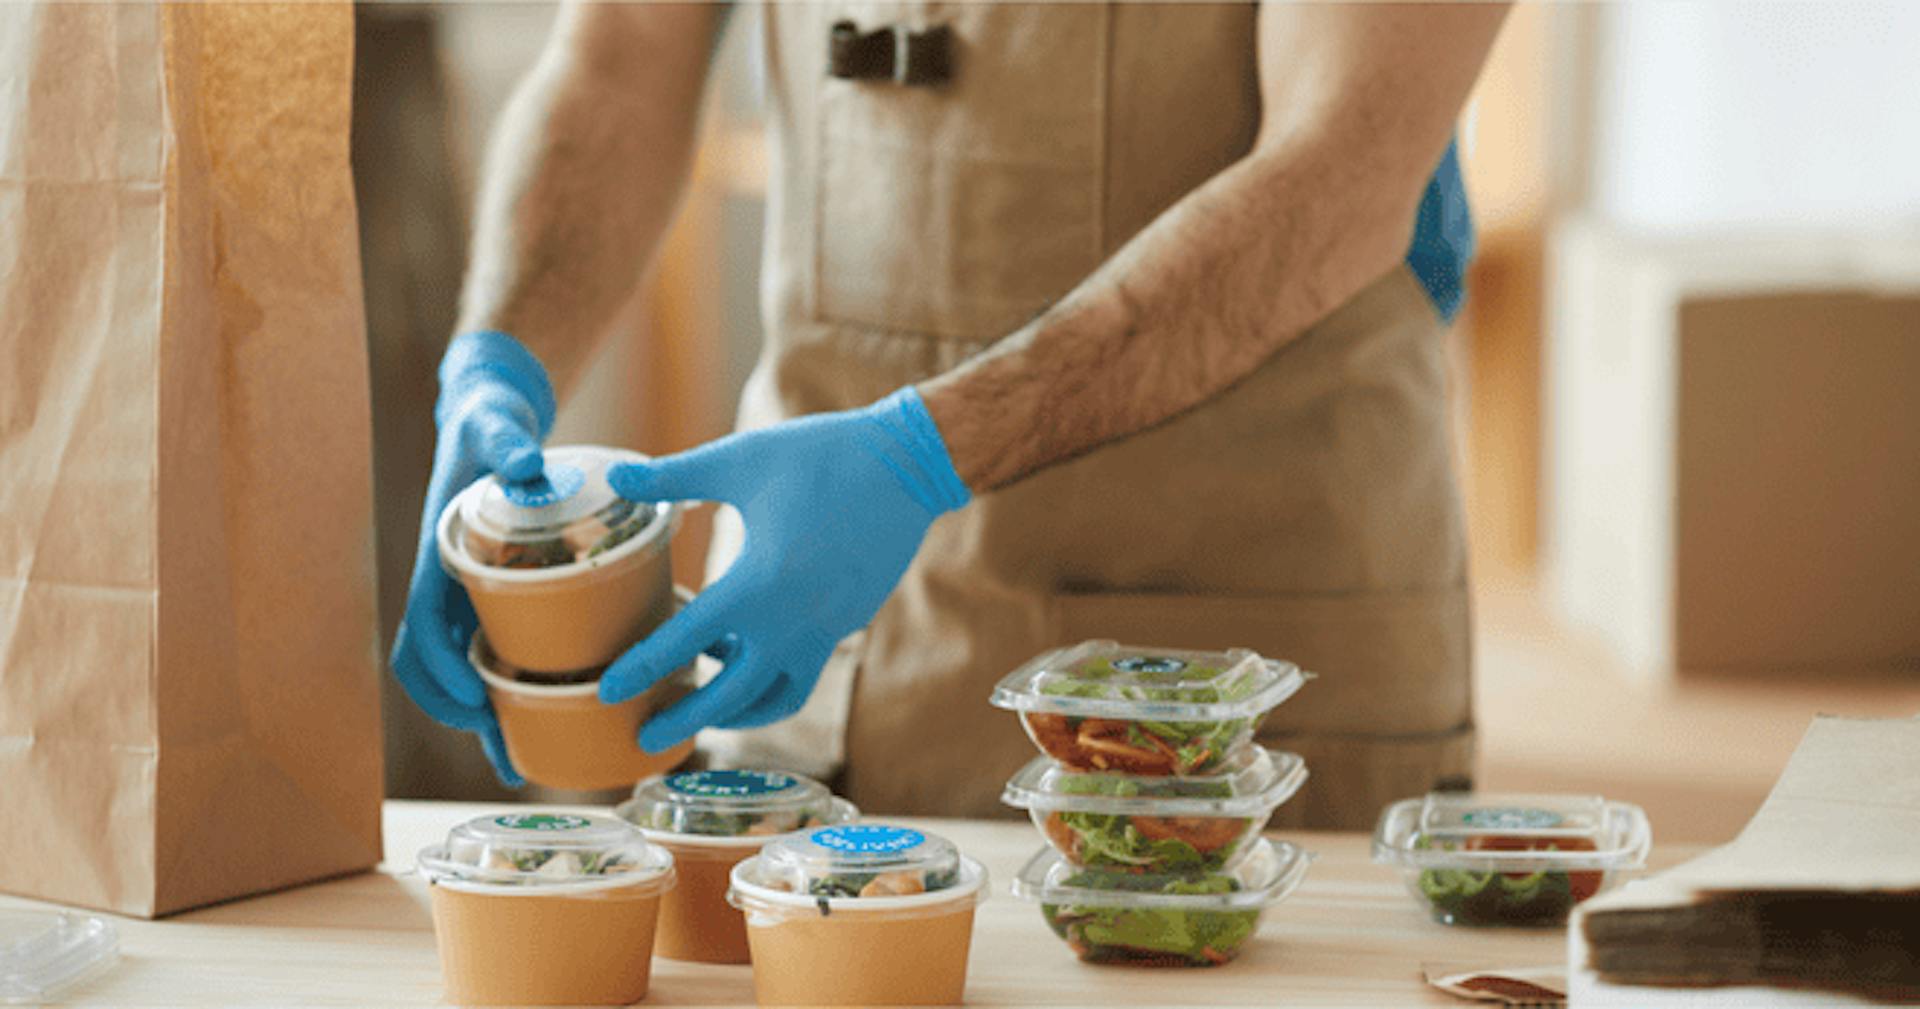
{"x": 1309, "y": 512}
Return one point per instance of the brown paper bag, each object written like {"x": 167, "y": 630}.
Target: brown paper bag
{"x": 188, "y": 639}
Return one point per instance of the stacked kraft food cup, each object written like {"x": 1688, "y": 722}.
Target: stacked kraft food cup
{"x": 1152, "y": 796}
{"x": 565, "y": 575}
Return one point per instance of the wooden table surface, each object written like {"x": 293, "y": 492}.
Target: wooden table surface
{"x": 1349, "y": 936}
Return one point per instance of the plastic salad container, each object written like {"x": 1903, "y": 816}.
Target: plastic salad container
{"x": 44, "y": 954}
{"x": 1102, "y": 706}
{"x": 535, "y": 908}
{"x": 1157, "y": 824}
{"x": 711, "y": 821}
{"x": 559, "y": 734}
{"x": 1181, "y": 920}
{"x": 563, "y": 573}
{"x": 859, "y": 914}
{"x": 1482, "y": 859}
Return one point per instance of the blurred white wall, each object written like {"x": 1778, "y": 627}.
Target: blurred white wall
{"x": 1724, "y": 116}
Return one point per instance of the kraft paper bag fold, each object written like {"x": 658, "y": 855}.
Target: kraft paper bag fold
{"x": 188, "y": 638}
{"x": 1820, "y": 891}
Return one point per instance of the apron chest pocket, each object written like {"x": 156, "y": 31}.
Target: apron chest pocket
{"x": 963, "y": 210}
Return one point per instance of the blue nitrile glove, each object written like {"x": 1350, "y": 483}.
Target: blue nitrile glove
{"x": 495, "y": 406}
{"x": 835, "y": 506}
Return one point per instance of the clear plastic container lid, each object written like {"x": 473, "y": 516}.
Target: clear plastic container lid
{"x": 860, "y": 860}
{"x": 541, "y": 851}
{"x": 1105, "y": 679}
{"x": 44, "y": 953}
{"x": 569, "y": 514}
{"x": 1512, "y": 833}
{"x": 1271, "y": 871}
{"x": 726, "y": 806}
{"x": 1253, "y": 783}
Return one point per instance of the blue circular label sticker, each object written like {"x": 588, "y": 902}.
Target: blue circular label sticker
{"x": 730, "y": 784}
{"x": 1149, "y": 664}
{"x": 860, "y": 839}
{"x": 557, "y": 484}
{"x": 541, "y": 821}
{"x": 1511, "y": 818}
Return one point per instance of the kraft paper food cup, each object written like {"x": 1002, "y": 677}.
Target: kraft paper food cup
{"x": 546, "y": 909}
{"x": 564, "y": 574}
{"x": 698, "y": 924}
{"x": 712, "y": 821}
{"x": 562, "y": 736}
{"x": 817, "y": 941}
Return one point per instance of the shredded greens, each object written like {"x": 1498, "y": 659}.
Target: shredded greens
{"x": 715, "y": 824}
{"x": 1148, "y": 844}
{"x": 1141, "y": 746}
{"x": 1473, "y": 897}
{"x": 1156, "y": 936}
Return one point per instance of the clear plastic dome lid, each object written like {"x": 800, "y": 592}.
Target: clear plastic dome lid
{"x": 1493, "y": 832}
{"x": 860, "y": 860}
{"x": 545, "y": 849}
{"x": 43, "y": 954}
{"x": 568, "y": 514}
{"x": 735, "y": 803}
{"x": 1106, "y": 679}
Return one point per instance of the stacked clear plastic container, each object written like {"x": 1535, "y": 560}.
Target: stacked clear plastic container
{"x": 1152, "y": 796}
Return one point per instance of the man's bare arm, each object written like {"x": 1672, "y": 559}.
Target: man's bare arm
{"x": 584, "y": 173}
{"x": 1358, "y": 104}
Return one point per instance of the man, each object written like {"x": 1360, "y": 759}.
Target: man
{"x": 1142, "y": 303}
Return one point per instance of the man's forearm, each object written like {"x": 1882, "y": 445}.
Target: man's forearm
{"x": 583, "y": 175}
{"x": 1201, "y": 297}
{"x": 1194, "y": 303}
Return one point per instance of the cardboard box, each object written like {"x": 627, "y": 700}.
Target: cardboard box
{"x": 1733, "y": 448}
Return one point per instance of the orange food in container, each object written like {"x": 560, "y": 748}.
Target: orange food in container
{"x": 535, "y": 908}
{"x": 711, "y": 821}
{"x": 564, "y": 573}
{"x": 859, "y": 914}
{"x": 560, "y": 734}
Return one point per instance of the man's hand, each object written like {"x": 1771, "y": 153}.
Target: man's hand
{"x": 495, "y": 406}
{"x": 835, "y": 506}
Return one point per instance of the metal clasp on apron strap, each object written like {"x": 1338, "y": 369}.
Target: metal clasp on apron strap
{"x": 892, "y": 52}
